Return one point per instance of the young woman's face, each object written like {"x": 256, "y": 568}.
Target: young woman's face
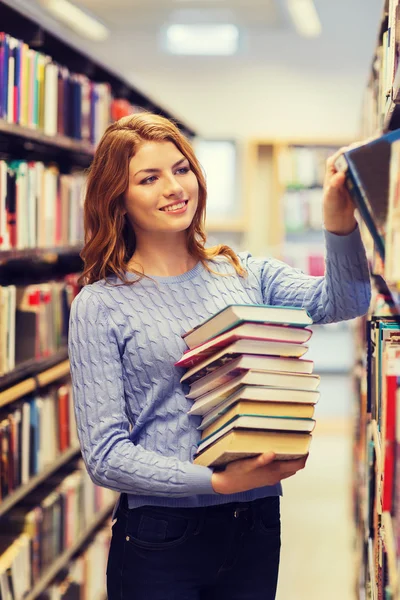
{"x": 163, "y": 191}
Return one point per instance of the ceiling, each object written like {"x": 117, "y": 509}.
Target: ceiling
{"x": 275, "y": 68}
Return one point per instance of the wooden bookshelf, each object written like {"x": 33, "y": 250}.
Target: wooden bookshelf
{"x": 48, "y": 255}
{"x": 264, "y": 190}
{"x": 24, "y": 490}
{"x": 58, "y": 141}
{"x": 62, "y": 561}
{"x": 20, "y": 22}
{"x": 60, "y": 370}
{"x": 29, "y": 369}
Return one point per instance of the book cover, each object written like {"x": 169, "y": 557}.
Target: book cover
{"x": 235, "y": 314}
{"x": 367, "y": 176}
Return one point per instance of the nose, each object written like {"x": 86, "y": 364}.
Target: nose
{"x": 173, "y": 188}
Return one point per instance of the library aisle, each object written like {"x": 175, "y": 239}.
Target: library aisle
{"x": 317, "y": 528}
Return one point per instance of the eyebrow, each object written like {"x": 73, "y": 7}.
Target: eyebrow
{"x": 158, "y": 170}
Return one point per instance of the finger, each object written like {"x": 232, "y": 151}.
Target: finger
{"x": 264, "y": 459}
{"x": 337, "y": 180}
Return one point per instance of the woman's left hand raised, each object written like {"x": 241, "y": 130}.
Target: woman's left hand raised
{"x": 338, "y": 207}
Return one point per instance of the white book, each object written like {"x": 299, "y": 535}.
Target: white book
{"x": 50, "y": 99}
{"x": 21, "y": 185}
{"x": 32, "y": 206}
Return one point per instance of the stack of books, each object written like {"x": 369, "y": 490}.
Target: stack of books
{"x": 250, "y": 383}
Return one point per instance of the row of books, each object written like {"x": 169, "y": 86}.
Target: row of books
{"x": 85, "y": 577}
{"x": 38, "y": 93}
{"x": 302, "y": 166}
{"x": 302, "y": 210}
{"x": 34, "y": 320}
{"x": 377, "y": 459}
{"x": 45, "y": 524}
{"x": 39, "y": 206}
{"x": 249, "y": 382}
{"x": 383, "y": 87}
{"x": 34, "y": 432}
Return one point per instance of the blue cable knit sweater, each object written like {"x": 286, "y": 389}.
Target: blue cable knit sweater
{"x": 131, "y": 410}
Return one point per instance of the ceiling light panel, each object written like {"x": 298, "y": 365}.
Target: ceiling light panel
{"x": 202, "y": 40}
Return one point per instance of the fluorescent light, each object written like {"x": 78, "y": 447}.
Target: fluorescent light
{"x": 305, "y": 17}
{"x": 77, "y": 19}
{"x": 203, "y": 39}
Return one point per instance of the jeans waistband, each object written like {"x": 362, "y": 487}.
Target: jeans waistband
{"x": 199, "y": 511}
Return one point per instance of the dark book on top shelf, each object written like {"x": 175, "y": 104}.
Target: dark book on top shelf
{"x": 367, "y": 169}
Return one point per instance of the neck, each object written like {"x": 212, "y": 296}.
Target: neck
{"x": 164, "y": 256}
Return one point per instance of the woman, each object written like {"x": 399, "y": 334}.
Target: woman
{"x": 182, "y": 531}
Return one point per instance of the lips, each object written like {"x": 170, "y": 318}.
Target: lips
{"x": 174, "y": 206}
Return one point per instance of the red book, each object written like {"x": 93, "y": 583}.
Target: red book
{"x": 63, "y": 418}
{"x": 388, "y": 479}
{"x": 316, "y": 265}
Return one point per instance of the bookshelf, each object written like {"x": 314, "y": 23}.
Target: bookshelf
{"x": 39, "y": 268}
{"x": 376, "y": 439}
{"x": 62, "y": 561}
{"x": 34, "y": 482}
{"x": 283, "y": 189}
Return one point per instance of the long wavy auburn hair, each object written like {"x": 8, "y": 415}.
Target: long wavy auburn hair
{"x": 109, "y": 236}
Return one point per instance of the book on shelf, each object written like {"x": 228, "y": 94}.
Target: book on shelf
{"x": 49, "y": 521}
{"x": 392, "y": 239}
{"x": 34, "y": 323}
{"x": 236, "y": 314}
{"x": 38, "y": 93}
{"x": 377, "y": 454}
{"x": 39, "y": 206}
{"x": 34, "y": 432}
{"x": 367, "y": 169}
{"x": 255, "y": 395}
{"x": 85, "y": 576}
{"x": 301, "y": 166}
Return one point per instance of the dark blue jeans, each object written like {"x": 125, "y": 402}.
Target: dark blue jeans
{"x": 225, "y": 552}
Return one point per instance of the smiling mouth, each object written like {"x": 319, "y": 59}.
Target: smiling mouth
{"x": 173, "y": 207}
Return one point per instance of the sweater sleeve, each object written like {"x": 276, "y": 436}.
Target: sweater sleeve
{"x": 343, "y": 293}
{"x": 111, "y": 458}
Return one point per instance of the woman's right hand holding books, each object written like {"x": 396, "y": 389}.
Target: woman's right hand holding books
{"x": 251, "y": 473}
